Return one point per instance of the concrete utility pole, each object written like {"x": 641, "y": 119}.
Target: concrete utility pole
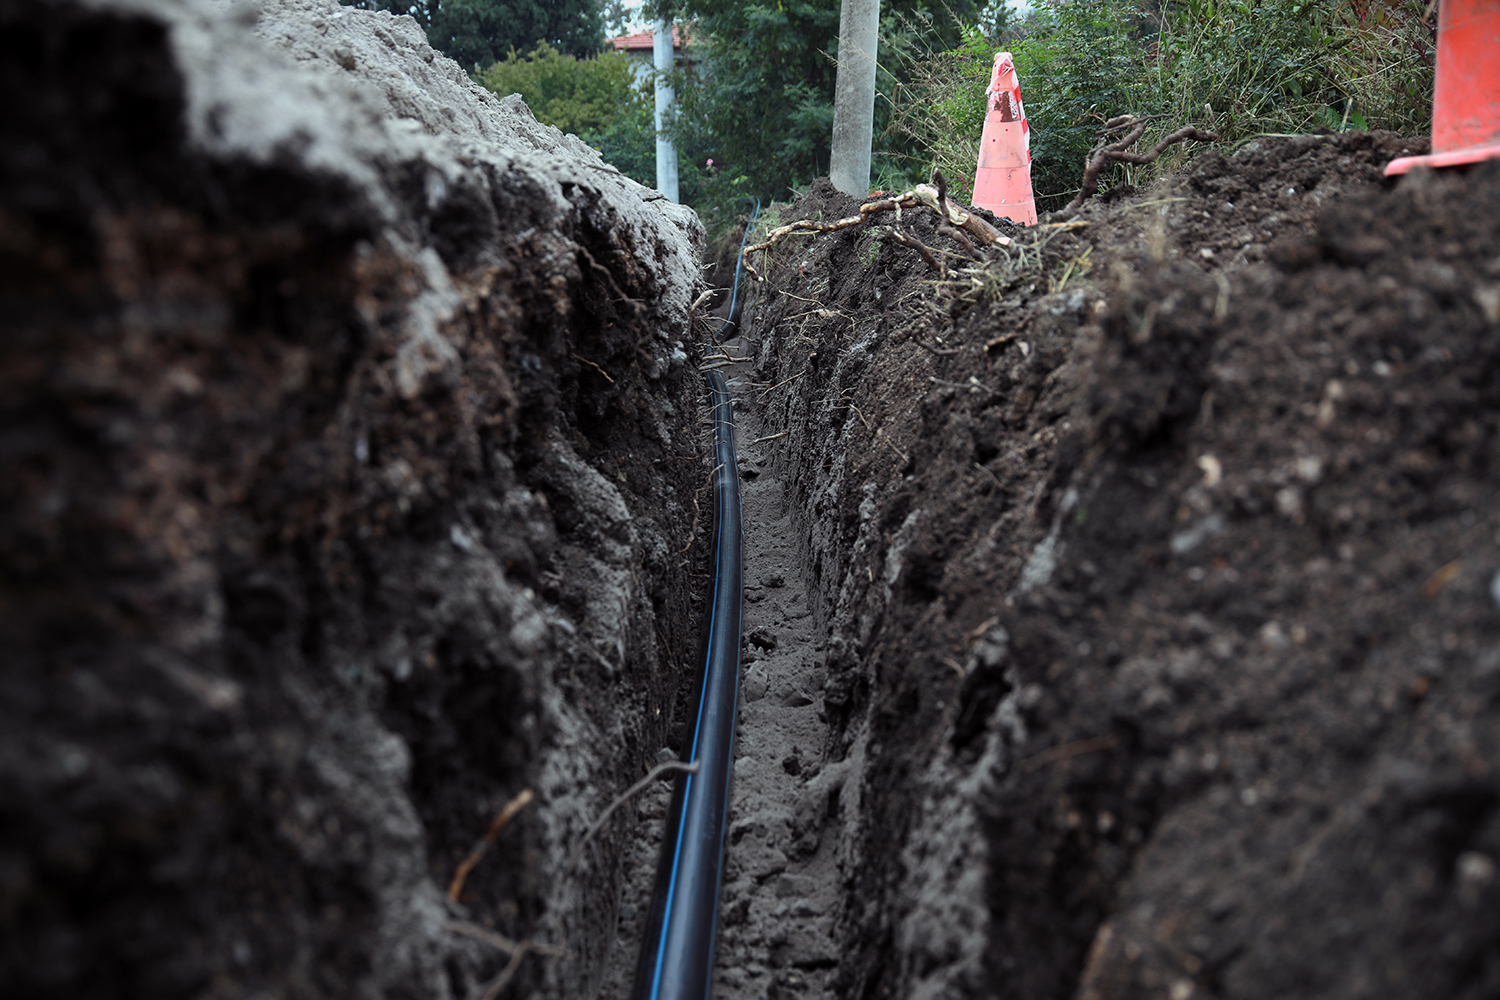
{"x": 854, "y": 97}
{"x": 666, "y": 152}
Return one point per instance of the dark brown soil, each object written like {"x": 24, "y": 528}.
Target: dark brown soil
{"x": 1124, "y": 606}
{"x": 341, "y": 502}
{"x": 1180, "y": 546}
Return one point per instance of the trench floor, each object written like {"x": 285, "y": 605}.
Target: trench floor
{"x": 781, "y": 880}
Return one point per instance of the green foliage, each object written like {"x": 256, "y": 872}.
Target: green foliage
{"x": 1236, "y": 67}
{"x": 617, "y": 17}
{"x": 581, "y": 96}
{"x": 761, "y": 100}
{"x": 476, "y": 33}
{"x": 598, "y": 99}
{"x": 601, "y": 101}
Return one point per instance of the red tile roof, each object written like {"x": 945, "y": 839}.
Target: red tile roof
{"x": 643, "y": 40}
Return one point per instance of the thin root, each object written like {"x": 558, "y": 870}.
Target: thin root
{"x": 505, "y": 815}
{"x": 625, "y": 796}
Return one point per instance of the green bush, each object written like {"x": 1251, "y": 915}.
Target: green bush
{"x": 590, "y": 97}
{"x": 1078, "y": 65}
{"x": 1236, "y": 67}
{"x": 760, "y": 102}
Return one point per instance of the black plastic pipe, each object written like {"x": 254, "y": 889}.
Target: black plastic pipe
{"x": 677, "y": 954}
{"x": 735, "y": 304}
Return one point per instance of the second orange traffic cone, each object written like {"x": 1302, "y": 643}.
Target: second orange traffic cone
{"x": 1466, "y": 93}
{"x": 1002, "y": 181}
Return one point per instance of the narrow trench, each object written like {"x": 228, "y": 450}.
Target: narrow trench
{"x": 781, "y": 880}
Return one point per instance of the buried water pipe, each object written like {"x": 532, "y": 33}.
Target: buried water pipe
{"x": 735, "y": 305}
{"x": 677, "y": 952}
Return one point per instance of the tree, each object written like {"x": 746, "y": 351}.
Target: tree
{"x": 617, "y": 17}
{"x": 477, "y": 33}
{"x": 587, "y": 97}
{"x": 761, "y": 103}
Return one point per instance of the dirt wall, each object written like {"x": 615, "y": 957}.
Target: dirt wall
{"x": 1158, "y": 557}
{"x": 347, "y": 456}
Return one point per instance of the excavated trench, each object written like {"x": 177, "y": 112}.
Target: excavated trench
{"x": 1120, "y": 612}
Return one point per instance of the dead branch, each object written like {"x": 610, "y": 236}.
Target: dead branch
{"x": 907, "y": 240}
{"x": 922, "y": 194}
{"x": 1120, "y": 150}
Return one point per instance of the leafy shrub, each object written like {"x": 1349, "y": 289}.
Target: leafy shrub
{"x": 1236, "y": 67}
{"x": 590, "y": 98}
{"x": 760, "y": 101}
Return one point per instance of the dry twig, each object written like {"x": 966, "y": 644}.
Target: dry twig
{"x": 1119, "y": 150}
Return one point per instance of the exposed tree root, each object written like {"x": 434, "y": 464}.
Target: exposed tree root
{"x": 515, "y": 805}
{"x": 935, "y": 198}
{"x": 1119, "y": 150}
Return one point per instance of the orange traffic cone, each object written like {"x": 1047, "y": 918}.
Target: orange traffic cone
{"x": 1466, "y": 94}
{"x": 1002, "y": 181}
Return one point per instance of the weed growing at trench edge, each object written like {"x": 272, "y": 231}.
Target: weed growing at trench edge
{"x": 1029, "y": 260}
{"x": 1236, "y": 67}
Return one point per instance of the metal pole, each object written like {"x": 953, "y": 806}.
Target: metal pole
{"x": 854, "y": 97}
{"x": 666, "y": 152}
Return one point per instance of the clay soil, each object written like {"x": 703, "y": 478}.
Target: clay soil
{"x": 1159, "y": 551}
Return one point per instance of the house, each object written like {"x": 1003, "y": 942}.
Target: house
{"x": 640, "y": 48}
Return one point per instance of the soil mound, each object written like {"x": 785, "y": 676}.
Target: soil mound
{"x": 342, "y": 500}
{"x": 1157, "y": 558}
